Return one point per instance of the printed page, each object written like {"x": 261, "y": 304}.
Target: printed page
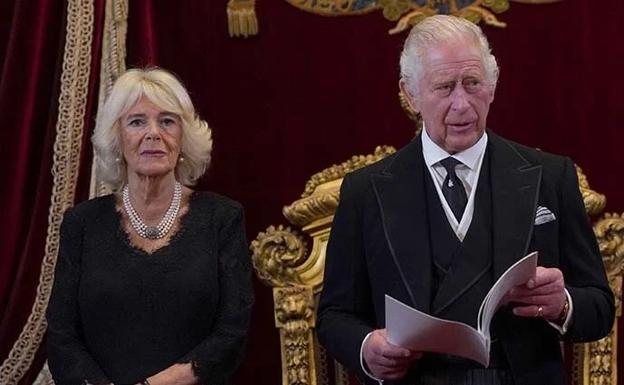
{"x": 518, "y": 274}
{"x": 415, "y": 330}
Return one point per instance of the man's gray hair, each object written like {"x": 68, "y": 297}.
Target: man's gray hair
{"x": 436, "y": 30}
{"x": 167, "y": 92}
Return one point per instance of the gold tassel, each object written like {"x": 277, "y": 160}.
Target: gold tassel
{"x": 242, "y": 20}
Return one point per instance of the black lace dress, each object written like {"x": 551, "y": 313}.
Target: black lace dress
{"x": 118, "y": 314}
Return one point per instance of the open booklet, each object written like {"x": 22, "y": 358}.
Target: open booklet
{"x": 415, "y": 330}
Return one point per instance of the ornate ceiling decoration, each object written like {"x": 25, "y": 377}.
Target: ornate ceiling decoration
{"x": 409, "y": 12}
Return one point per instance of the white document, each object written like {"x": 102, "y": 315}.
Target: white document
{"x": 418, "y": 331}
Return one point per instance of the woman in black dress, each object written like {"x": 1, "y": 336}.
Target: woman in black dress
{"x": 153, "y": 282}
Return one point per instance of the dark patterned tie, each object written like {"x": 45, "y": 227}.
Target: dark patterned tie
{"x": 453, "y": 189}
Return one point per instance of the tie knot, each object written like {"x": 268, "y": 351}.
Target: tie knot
{"x": 449, "y": 164}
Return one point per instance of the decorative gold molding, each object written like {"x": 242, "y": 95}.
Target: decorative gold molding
{"x": 66, "y": 159}
{"x": 276, "y": 254}
{"x": 113, "y": 61}
{"x": 279, "y": 254}
{"x": 610, "y": 234}
{"x": 409, "y": 12}
{"x": 242, "y": 19}
{"x": 594, "y": 202}
{"x": 338, "y": 171}
{"x": 602, "y": 367}
{"x": 595, "y": 363}
{"x": 281, "y": 260}
{"x": 311, "y": 208}
{"x": 112, "y": 65}
{"x": 295, "y": 317}
{"x": 320, "y": 196}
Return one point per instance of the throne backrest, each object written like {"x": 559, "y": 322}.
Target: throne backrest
{"x": 282, "y": 260}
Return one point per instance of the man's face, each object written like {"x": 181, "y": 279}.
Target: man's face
{"x": 453, "y": 95}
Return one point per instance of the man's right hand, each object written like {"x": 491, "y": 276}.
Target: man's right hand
{"x": 384, "y": 360}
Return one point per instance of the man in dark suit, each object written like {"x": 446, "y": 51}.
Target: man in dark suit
{"x": 435, "y": 225}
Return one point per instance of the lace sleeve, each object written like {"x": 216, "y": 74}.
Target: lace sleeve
{"x": 69, "y": 360}
{"x": 215, "y": 359}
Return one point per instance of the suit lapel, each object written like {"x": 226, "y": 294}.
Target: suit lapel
{"x": 515, "y": 190}
{"x": 400, "y": 196}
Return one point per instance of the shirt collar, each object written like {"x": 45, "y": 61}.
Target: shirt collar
{"x": 470, "y": 156}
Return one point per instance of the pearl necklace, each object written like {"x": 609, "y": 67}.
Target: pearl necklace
{"x": 159, "y": 231}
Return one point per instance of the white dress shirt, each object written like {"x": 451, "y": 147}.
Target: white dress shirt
{"x": 467, "y": 171}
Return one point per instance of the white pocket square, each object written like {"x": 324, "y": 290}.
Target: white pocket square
{"x": 543, "y": 215}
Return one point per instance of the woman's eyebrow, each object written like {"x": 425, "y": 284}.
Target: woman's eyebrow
{"x": 136, "y": 115}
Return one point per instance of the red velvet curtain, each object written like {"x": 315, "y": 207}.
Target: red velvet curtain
{"x": 310, "y": 91}
{"x": 32, "y": 40}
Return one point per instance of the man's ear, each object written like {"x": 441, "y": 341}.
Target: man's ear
{"x": 409, "y": 97}
{"x": 492, "y": 92}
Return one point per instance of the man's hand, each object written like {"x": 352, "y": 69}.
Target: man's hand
{"x": 542, "y": 296}
{"x": 384, "y": 360}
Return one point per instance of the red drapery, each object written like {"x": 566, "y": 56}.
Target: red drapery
{"x": 29, "y": 86}
{"x": 32, "y": 41}
{"x": 310, "y": 91}
{"x": 307, "y": 92}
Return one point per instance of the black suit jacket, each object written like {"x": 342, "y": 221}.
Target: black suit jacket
{"x": 379, "y": 245}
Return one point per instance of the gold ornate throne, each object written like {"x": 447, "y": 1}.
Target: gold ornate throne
{"x": 282, "y": 261}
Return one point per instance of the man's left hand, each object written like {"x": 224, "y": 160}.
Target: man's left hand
{"x": 542, "y": 296}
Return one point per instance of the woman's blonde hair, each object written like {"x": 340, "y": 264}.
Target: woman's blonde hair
{"x": 167, "y": 92}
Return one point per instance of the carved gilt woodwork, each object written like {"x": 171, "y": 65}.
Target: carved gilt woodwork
{"x": 594, "y": 202}
{"x": 295, "y": 318}
{"x": 409, "y": 12}
{"x": 282, "y": 261}
{"x": 595, "y": 363}
{"x": 242, "y": 19}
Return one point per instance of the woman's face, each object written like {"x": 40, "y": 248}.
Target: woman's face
{"x": 150, "y": 139}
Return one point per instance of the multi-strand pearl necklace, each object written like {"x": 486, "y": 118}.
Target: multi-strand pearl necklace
{"x": 159, "y": 231}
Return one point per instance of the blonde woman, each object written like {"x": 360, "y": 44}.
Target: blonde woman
{"x": 152, "y": 282}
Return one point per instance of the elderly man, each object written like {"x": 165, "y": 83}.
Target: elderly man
{"x": 435, "y": 225}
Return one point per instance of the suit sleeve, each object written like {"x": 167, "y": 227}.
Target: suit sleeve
{"x": 582, "y": 265}
{"x": 345, "y": 312}
{"x": 69, "y": 359}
